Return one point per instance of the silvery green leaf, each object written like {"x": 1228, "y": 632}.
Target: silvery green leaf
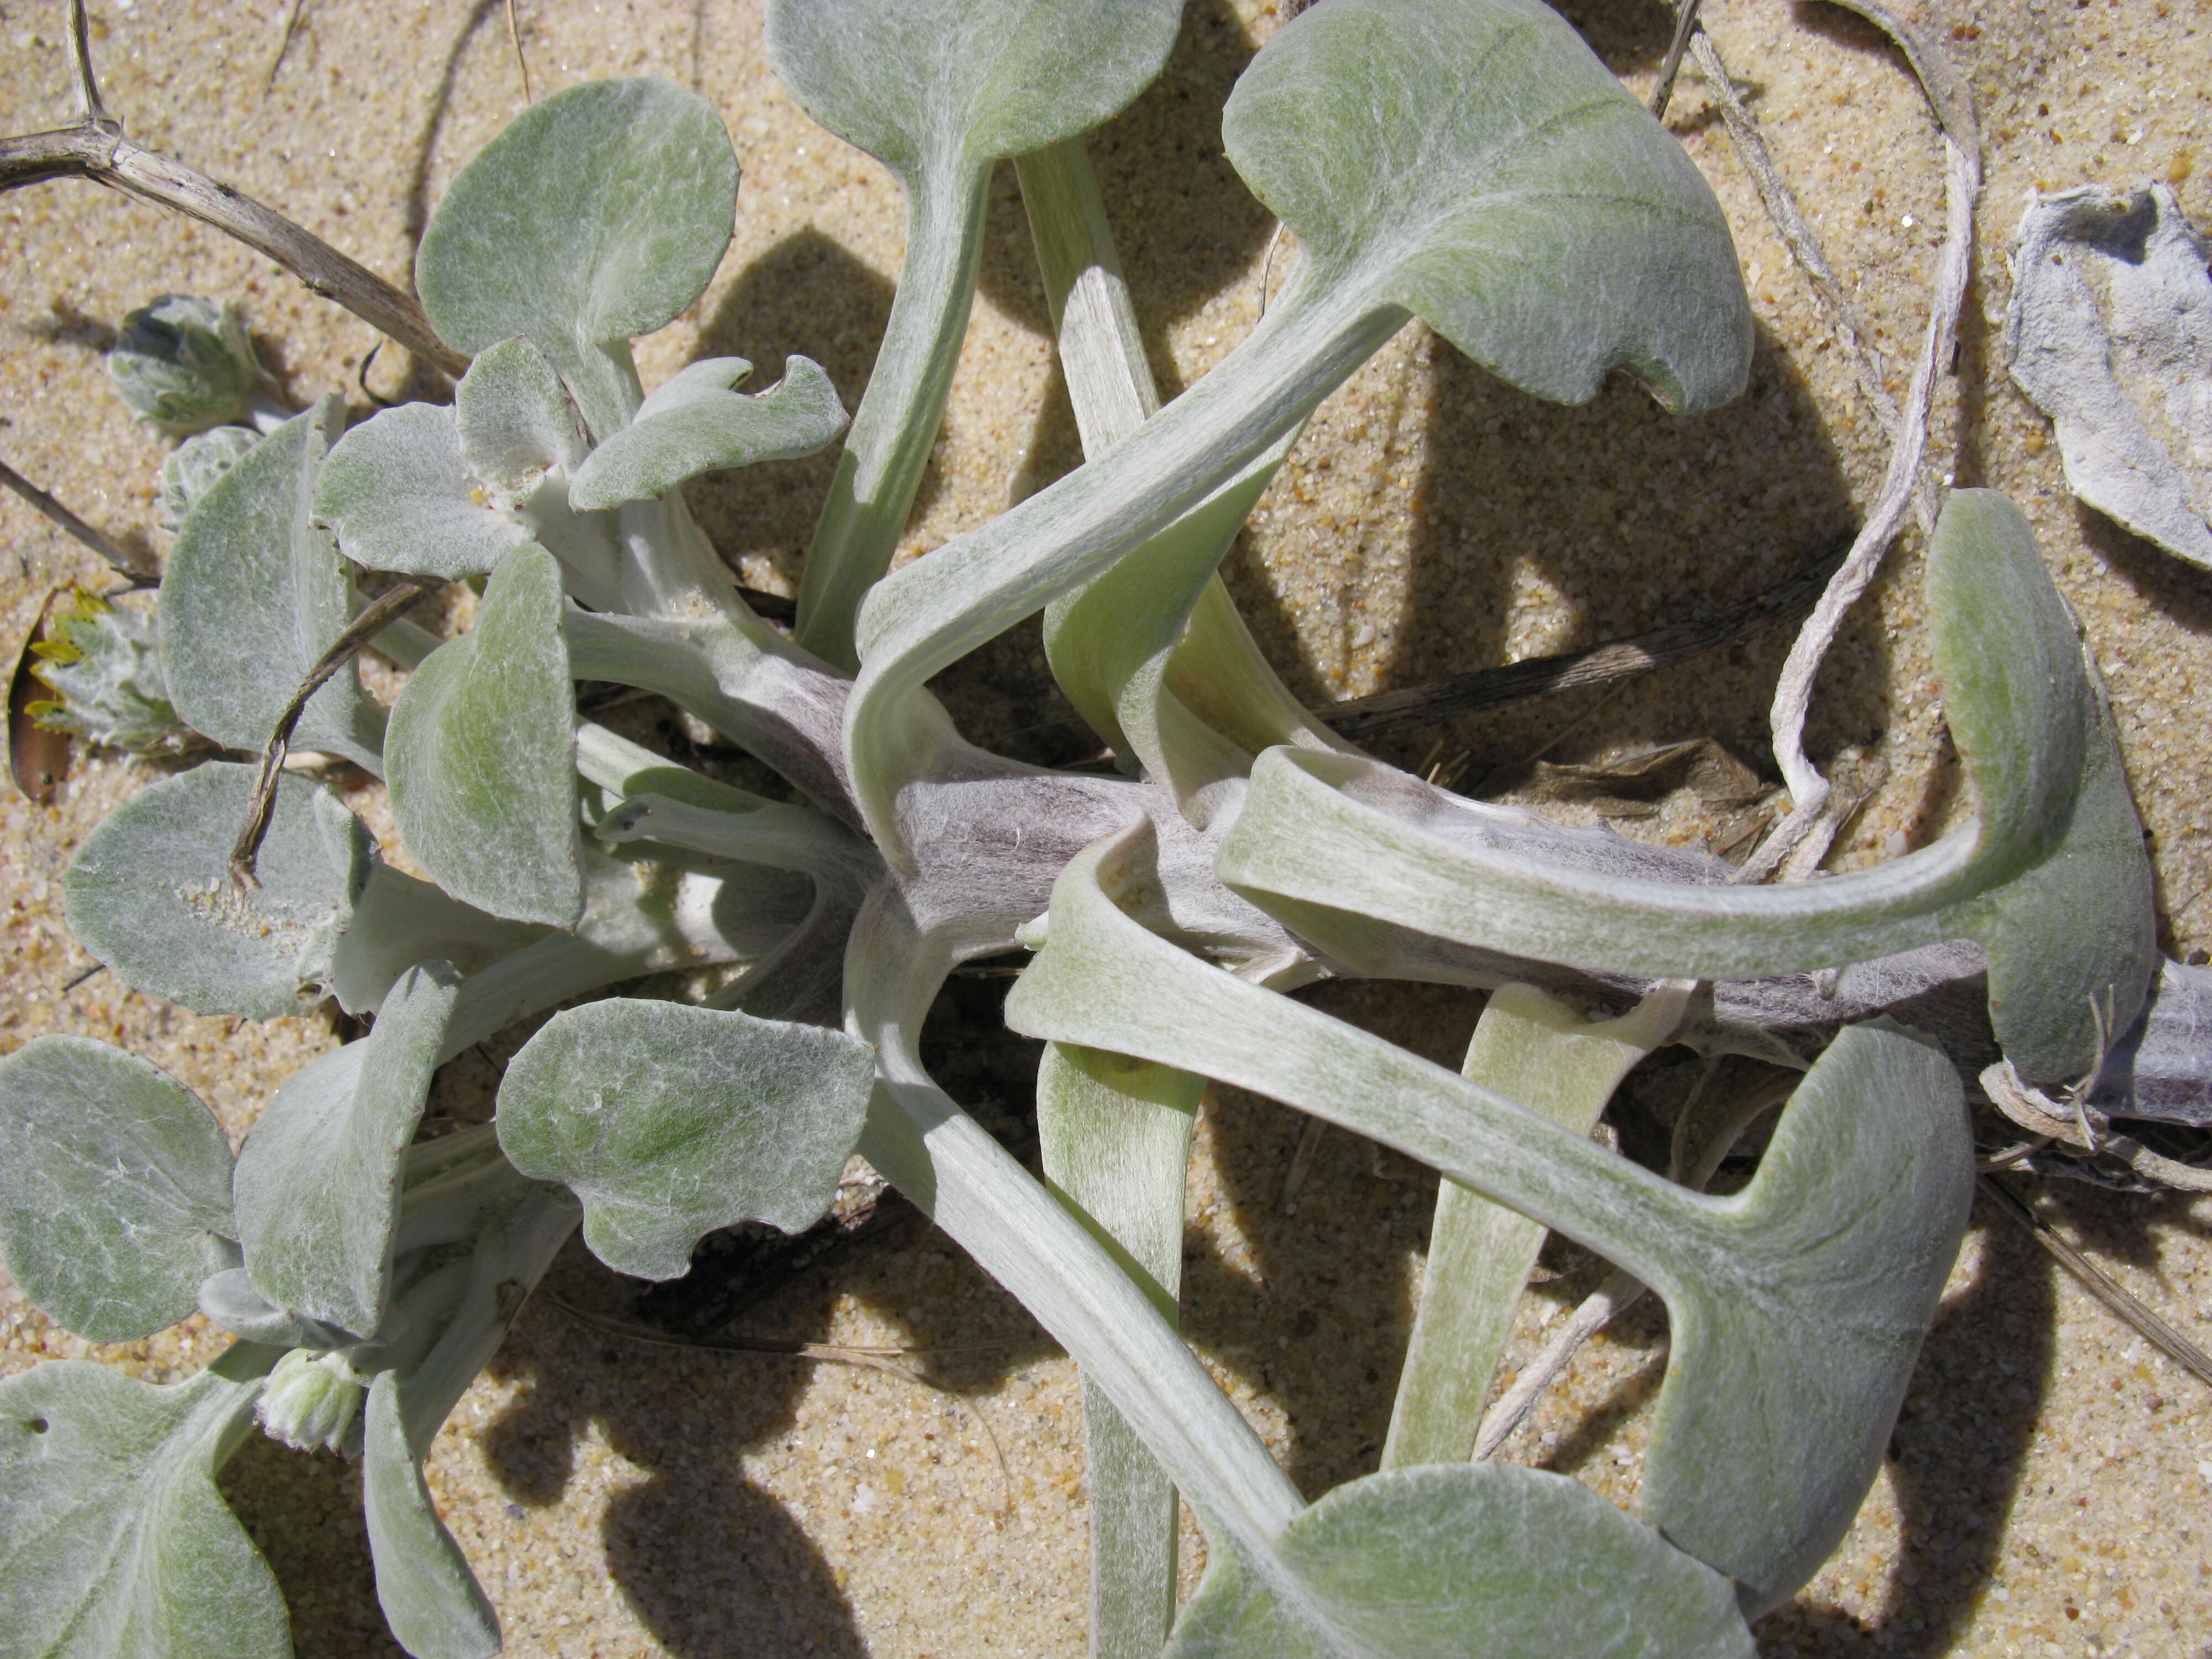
{"x": 1332, "y": 831}
{"x": 193, "y": 466}
{"x": 255, "y": 593}
{"x": 1473, "y": 161}
{"x": 400, "y": 498}
{"x": 399, "y": 921}
{"x": 1470, "y": 160}
{"x": 184, "y": 364}
{"x": 597, "y": 216}
{"x": 915, "y": 81}
{"x": 513, "y": 415}
{"x": 483, "y": 754}
{"x": 1786, "y": 1369}
{"x": 972, "y": 82}
{"x": 431, "y": 1599}
{"x": 113, "y": 1176}
{"x": 1465, "y": 1561}
{"x": 669, "y": 1122}
{"x": 115, "y": 1543}
{"x": 317, "y": 1188}
{"x": 1798, "y": 1305}
{"x": 150, "y": 893}
{"x": 2080, "y": 926}
{"x": 2107, "y": 333}
{"x": 229, "y": 1299}
{"x": 696, "y": 423}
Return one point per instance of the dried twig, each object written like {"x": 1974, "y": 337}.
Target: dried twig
{"x": 514, "y": 38}
{"x": 2083, "y": 1130}
{"x": 89, "y": 109}
{"x": 246, "y": 849}
{"x": 1361, "y": 718}
{"x": 1685, "y": 21}
{"x": 1808, "y": 790}
{"x": 2129, "y": 1309}
{"x": 96, "y": 150}
{"x": 1781, "y": 204}
{"x": 135, "y": 565}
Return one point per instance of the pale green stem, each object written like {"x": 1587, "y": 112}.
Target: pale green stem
{"x": 1116, "y": 1136}
{"x": 979, "y": 585}
{"x": 1116, "y": 1139}
{"x": 900, "y": 413}
{"x": 961, "y": 1178}
{"x": 1531, "y": 1048}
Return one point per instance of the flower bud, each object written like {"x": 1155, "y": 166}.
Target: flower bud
{"x": 103, "y": 664}
{"x": 185, "y": 364}
{"x": 312, "y": 1402}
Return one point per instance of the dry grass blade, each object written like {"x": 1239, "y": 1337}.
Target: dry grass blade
{"x": 1362, "y": 718}
{"x": 2128, "y": 1308}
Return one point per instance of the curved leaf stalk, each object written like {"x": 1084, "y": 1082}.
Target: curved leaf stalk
{"x": 923, "y": 618}
{"x": 1170, "y": 655}
{"x": 963, "y": 1180}
{"x": 1813, "y": 1287}
{"x": 900, "y": 414}
{"x": 1530, "y": 1048}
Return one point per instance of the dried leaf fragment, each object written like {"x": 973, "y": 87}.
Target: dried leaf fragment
{"x": 2110, "y": 333}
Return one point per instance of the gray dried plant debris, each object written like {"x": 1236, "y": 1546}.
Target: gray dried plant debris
{"x": 2109, "y": 334}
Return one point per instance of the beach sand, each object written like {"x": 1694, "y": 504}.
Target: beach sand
{"x": 2047, "y": 1491}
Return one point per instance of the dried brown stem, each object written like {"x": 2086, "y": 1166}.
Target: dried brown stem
{"x": 135, "y": 566}
{"x": 246, "y": 849}
{"x": 1362, "y": 718}
{"x": 104, "y": 156}
{"x": 1902, "y": 480}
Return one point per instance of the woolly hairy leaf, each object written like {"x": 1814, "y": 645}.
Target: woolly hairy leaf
{"x": 514, "y": 417}
{"x": 430, "y": 1599}
{"x": 150, "y": 892}
{"x": 112, "y": 1177}
{"x": 483, "y": 754}
{"x": 115, "y": 1543}
{"x": 400, "y": 498}
{"x": 1467, "y": 158}
{"x": 254, "y": 594}
{"x": 694, "y": 424}
{"x": 973, "y": 79}
{"x": 1798, "y": 1305}
{"x": 1465, "y": 1561}
{"x": 1317, "y": 830}
{"x": 598, "y": 216}
{"x": 318, "y": 1180}
{"x": 669, "y": 1122}
{"x": 1473, "y": 161}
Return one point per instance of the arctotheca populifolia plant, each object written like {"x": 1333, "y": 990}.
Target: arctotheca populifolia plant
{"x": 1465, "y": 161}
